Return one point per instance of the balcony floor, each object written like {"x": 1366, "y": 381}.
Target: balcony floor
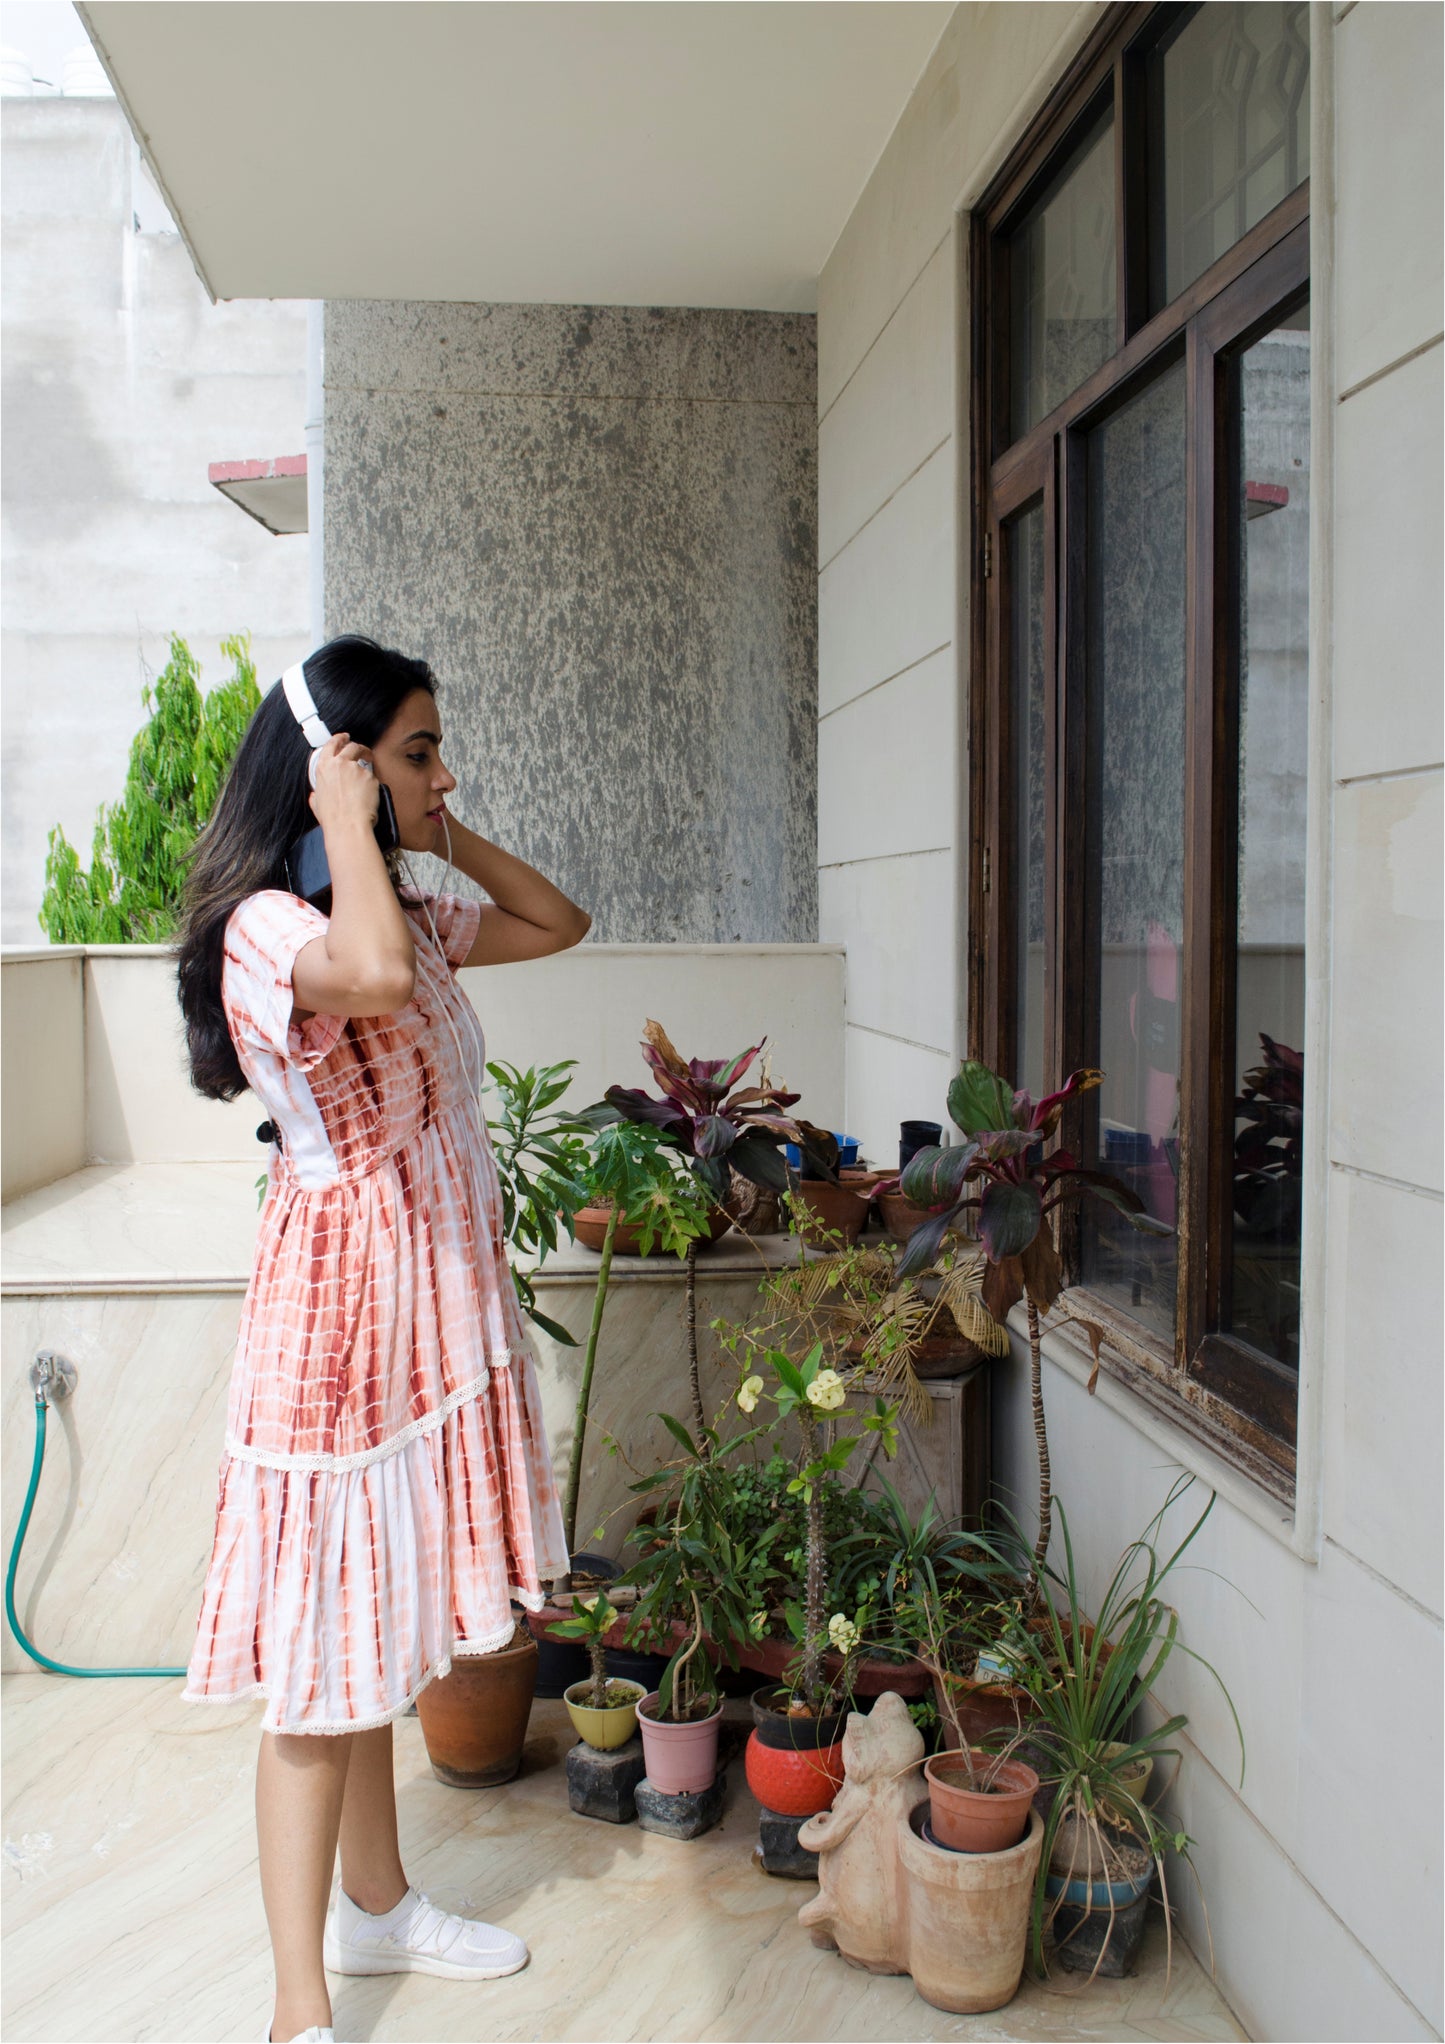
{"x": 133, "y": 1911}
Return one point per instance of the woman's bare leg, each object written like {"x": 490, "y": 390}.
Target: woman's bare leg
{"x": 300, "y": 1785}
{"x": 371, "y": 1869}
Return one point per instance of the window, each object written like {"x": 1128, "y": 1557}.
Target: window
{"x": 1138, "y": 716}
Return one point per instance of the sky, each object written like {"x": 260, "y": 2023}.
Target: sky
{"x": 46, "y": 31}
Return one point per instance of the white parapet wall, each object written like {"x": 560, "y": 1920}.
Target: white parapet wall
{"x": 94, "y": 1066}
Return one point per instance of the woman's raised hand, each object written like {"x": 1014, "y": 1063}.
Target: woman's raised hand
{"x": 343, "y": 784}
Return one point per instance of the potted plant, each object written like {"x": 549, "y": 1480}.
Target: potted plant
{"x": 603, "y": 1710}
{"x": 474, "y": 1717}
{"x": 1104, "y": 1844}
{"x": 541, "y": 1154}
{"x": 696, "y": 1590}
{"x": 1020, "y": 1189}
{"x": 720, "y": 1128}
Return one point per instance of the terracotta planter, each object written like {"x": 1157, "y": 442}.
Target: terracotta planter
{"x": 681, "y": 1759}
{"x": 983, "y": 1709}
{"x": 605, "y": 1729}
{"x": 767, "y": 1656}
{"x": 474, "y": 1720}
{"x": 979, "y": 1820}
{"x": 968, "y": 1917}
{"x": 822, "y": 1209}
{"x": 899, "y": 1215}
{"x": 589, "y": 1226}
{"x": 794, "y": 1765}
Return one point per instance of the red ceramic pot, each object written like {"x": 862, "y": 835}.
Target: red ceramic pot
{"x": 794, "y": 1783}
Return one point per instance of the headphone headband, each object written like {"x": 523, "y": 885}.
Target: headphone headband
{"x": 303, "y": 709}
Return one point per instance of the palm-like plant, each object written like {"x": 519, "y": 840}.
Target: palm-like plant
{"x": 1001, "y": 1175}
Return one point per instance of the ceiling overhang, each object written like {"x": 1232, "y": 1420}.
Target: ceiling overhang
{"x": 705, "y": 153}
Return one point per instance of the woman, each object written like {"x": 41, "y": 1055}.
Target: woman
{"x": 385, "y": 1491}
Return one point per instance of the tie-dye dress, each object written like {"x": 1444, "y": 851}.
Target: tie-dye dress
{"x": 386, "y": 1490}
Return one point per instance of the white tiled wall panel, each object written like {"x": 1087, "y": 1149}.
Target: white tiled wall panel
{"x": 1383, "y": 1360}
{"x": 898, "y": 915}
{"x": 1385, "y": 1090}
{"x": 895, "y": 412}
{"x": 890, "y": 1081}
{"x": 887, "y": 773}
{"x": 1388, "y": 653}
{"x": 1388, "y": 223}
{"x": 887, "y": 599}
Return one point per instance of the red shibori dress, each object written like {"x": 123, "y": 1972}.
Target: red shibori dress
{"x": 386, "y": 1489}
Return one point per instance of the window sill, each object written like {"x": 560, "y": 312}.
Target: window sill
{"x": 1066, "y": 1348}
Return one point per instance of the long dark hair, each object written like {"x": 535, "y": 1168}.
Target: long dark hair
{"x": 357, "y": 687}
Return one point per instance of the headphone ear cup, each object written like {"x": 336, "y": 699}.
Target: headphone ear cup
{"x": 311, "y": 769}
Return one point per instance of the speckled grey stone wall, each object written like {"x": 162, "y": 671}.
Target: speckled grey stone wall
{"x": 599, "y": 525}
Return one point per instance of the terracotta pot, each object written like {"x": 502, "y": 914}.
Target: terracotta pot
{"x": 899, "y": 1214}
{"x": 605, "y": 1729}
{"x": 968, "y": 1917}
{"x": 589, "y": 1226}
{"x": 822, "y": 1210}
{"x": 797, "y": 1784}
{"x": 474, "y": 1720}
{"x": 982, "y": 1708}
{"x": 978, "y": 1820}
{"x": 681, "y": 1759}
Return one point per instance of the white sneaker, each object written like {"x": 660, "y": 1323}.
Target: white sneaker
{"x": 417, "y": 1937}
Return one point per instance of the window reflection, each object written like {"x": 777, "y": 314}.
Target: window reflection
{"x": 1025, "y": 540}
{"x": 1231, "y": 87}
{"x": 1062, "y": 282}
{"x": 1135, "y": 719}
{"x": 1268, "y": 1110}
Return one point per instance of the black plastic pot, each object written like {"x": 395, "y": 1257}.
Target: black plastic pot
{"x": 792, "y": 1735}
{"x": 914, "y": 1136}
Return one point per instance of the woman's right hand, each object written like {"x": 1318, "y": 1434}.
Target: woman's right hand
{"x": 344, "y": 788}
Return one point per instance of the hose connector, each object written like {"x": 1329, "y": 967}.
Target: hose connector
{"x": 52, "y": 1376}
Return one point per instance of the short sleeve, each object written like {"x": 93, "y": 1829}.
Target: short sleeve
{"x": 263, "y": 936}
{"x": 457, "y": 918}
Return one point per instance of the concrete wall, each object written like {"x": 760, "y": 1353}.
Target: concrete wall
{"x": 598, "y": 526}
{"x": 95, "y": 1067}
{"x": 1326, "y": 1920}
{"x": 121, "y": 383}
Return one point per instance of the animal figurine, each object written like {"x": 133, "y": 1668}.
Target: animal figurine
{"x": 860, "y": 1908}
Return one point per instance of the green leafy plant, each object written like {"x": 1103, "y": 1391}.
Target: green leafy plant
{"x": 692, "y": 1571}
{"x": 592, "y": 1619}
{"x": 1001, "y": 1174}
{"x": 630, "y": 1168}
{"x": 1088, "y": 1684}
{"x": 178, "y": 761}
{"x": 542, "y": 1158}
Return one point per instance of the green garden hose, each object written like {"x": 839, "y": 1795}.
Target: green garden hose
{"x": 55, "y": 1667}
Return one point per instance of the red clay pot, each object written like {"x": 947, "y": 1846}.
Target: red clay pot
{"x": 796, "y": 1784}
{"x": 978, "y": 1820}
{"x": 589, "y": 1226}
{"x": 474, "y": 1720}
{"x": 821, "y": 1210}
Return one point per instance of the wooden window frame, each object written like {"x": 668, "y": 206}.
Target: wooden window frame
{"x": 1238, "y": 1401}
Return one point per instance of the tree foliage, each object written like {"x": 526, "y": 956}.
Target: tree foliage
{"x": 178, "y": 761}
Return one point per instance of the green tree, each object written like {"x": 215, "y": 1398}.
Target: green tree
{"x": 178, "y": 761}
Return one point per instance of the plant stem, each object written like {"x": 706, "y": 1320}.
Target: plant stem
{"x": 692, "y": 1371}
{"x": 1046, "y": 1489}
{"x": 599, "y": 1673}
{"x": 814, "y": 1585}
{"x": 579, "y": 1425}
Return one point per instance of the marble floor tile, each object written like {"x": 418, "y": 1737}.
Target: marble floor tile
{"x": 132, "y": 1908}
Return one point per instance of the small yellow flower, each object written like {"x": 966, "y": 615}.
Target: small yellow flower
{"x": 826, "y": 1391}
{"x": 748, "y": 1396}
{"x": 842, "y": 1633}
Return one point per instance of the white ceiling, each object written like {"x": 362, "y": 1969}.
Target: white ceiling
{"x": 705, "y": 153}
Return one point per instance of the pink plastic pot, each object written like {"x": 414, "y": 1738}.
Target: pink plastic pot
{"x": 681, "y": 1759}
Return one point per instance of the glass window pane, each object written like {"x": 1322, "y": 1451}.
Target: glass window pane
{"x": 1134, "y": 640}
{"x": 1025, "y": 542}
{"x": 1062, "y": 282}
{"x": 1262, "y": 1302}
{"x": 1231, "y": 89}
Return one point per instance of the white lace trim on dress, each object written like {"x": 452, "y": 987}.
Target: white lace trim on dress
{"x": 489, "y": 1643}
{"x": 264, "y": 1458}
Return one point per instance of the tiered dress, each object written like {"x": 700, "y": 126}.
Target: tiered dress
{"x": 386, "y": 1490}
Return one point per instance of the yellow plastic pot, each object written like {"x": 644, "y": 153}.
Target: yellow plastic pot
{"x": 604, "y": 1729}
